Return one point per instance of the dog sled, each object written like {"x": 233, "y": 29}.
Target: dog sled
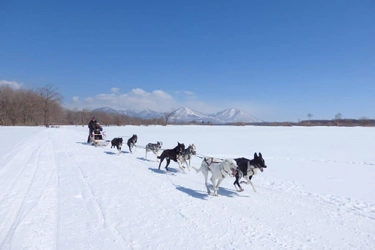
{"x": 99, "y": 139}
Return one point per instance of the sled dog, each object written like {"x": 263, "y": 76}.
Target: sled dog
{"x": 247, "y": 168}
{"x": 219, "y": 170}
{"x": 131, "y": 142}
{"x": 153, "y": 147}
{"x": 171, "y": 154}
{"x": 117, "y": 142}
{"x": 185, "y": 156}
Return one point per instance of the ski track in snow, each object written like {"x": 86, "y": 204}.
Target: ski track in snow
{"x": 58, "y": 193}
{"x": 27, "y": 189}
{"x": 76, "y": 196}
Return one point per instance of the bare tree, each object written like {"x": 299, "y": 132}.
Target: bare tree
{"x": 338, "y": 116}
{"x": 309, "y": 115}
{"x": 3, "y": 104}
{"x": 50, "y": 98}
{"x": 29, "y": 111}
{"x": 167, "y": 116}
{"x": 6, "y": 105}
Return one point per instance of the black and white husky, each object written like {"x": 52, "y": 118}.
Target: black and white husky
{"x": 117, "y": 142}
{"x": 247, "y": 168}
{"x": 131, "y": 142}
{"x": 171, "y": 154}
{"x": 154, "y": 148}
{"x": 185, "y": 156}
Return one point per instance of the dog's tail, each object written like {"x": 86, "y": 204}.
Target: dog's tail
{"x": 197, "y": 169}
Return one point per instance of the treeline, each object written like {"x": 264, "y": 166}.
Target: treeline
{"x": 339, "y": 122}
{"x": 22, "y": 107}
{"x": 28, "y": 107}
{"x": 84, "y": 116}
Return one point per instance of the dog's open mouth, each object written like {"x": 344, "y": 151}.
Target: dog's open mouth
{"x": 261, "y": 169}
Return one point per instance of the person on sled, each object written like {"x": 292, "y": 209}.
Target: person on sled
{"x": 97, "y": 132}
{"x": 91, "y": 128}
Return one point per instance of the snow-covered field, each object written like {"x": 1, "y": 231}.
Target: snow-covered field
{"x": 57, "y": 192}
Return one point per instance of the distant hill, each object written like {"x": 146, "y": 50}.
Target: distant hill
{"x": 188, "y": 115}
{"x": 144, "y": 114}
{"x": 185, "y": 115}
{"x": 235, "y": 115}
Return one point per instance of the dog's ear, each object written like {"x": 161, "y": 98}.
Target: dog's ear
{"x": 260, "y": 155}
{"x": 255, "y": 155}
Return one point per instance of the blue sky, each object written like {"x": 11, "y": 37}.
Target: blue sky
{"x": 276, "y": 60}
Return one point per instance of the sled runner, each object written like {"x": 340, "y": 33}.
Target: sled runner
{"x": 99, "y": 139}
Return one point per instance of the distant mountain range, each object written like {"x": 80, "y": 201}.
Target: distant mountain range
{"x": 184, "y": 115}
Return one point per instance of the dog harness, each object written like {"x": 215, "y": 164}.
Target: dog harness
{"x": 221, "y": 169}
{"x": 222, "y": 175}
{"x": 252, "y": 169}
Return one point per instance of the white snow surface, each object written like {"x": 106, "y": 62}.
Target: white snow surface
{"x": 57, "y": 192}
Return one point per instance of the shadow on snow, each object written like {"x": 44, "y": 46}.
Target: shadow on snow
{"x": 144, "y": 159}
{"x": 192, "y": 193}
{"x": 162, "y": 171}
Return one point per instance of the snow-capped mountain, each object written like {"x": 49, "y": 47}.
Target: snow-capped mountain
{"x": 235, "y": 115}
{"x": 128, "y": 112}
{"x": 188, "y": 115}
{"x": 149, "y": 114}
{"x": 106, "y": 110}
{"x": 185, "y": 115}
